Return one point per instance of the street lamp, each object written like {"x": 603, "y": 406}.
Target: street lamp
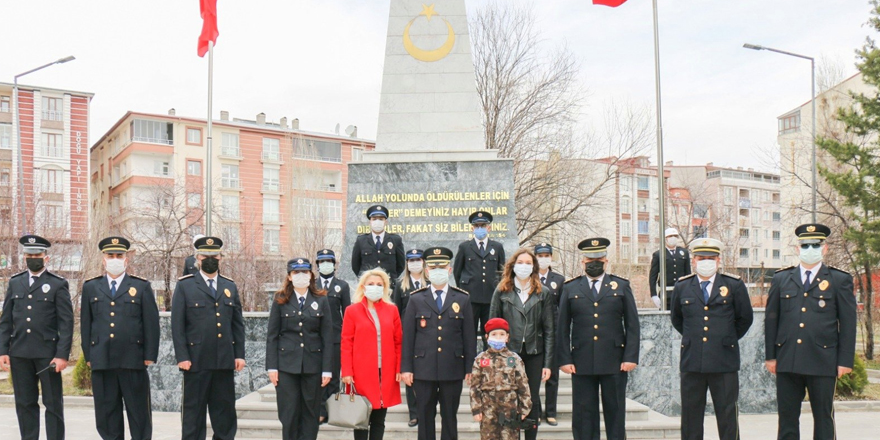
{"x": 23, "y": 229}
{"x": 812, "y": 100}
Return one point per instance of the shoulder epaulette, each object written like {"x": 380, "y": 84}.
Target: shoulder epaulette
{"x": 839, "y": 270}
{"x": 686, "y": 277}
{"x": 618, "y": 277}
{"x": 226, "y": 277}
{"x": 571, "y": 279}
{"x": 93, "y": 278}
{"x": 422, "y": 289}
{"x": 19, "y": 274}
{"x": 730, "y": 275}
{"x": 55, "y": 275}
{"x": 138, "y": 278}
{"x": 185, "y": 276}
{"x": 785, "y": 268}
{"x": 461, "y": 290}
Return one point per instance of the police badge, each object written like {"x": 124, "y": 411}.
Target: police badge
{"x": 227, "y": 293}
{"x": 455, "y": 307}
{"x": 723, "y": 290}
{"x": 132, "y": 291}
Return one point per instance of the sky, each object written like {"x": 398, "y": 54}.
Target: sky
{"x": 321, "y": 61}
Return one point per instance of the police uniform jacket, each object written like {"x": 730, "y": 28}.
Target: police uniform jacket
{"x": 37, "y": 320}
{"x": 207, "y": 332}
{"x": 678, "y": 264}
{"x": 710, "y": 332}
{"x": 532, "y": 325}
{"x": 338, "y": 298}
{"x": 401, "y": 296}
{"x": 476, "y": 274}
{"x": 554, "y": 282}
{"x": 597, "y": 335}
{"x": 300, "y": 341}
{"x": 438, "y": 345}
{"x": 390, "y": 257}
{"x": 119, "y": 332}
{"x": 811, "y": 330}
{"x": 189, "y": 266}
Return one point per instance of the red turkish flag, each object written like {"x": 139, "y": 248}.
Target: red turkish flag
{"x": 209, "y": 25}
{"x": 612, "y": 3}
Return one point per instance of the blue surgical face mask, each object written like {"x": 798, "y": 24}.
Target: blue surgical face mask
{"x": 481, "y": 232}
{"x": 811, "y": 255}
{"x": 497, "y": 344}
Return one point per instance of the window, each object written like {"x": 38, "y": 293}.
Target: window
{"x": 4, "y": 104}
{"x": 229, "y": 176}
{"x": 756, "y": 216}
{"x": 155, "y": 132}
{"x": 643, "y": 226}
{"x": 776, "y": 236}
{"x": 229, "y": 145}
{"x": 229, "y": 207}
{"x": 312, "y": 149}
{"x": 776, "y": 254}
{"x": 643, "y": 205}
{"x": 193, "y": 200}
{"x": 357, "y": 154}
{"x": 644, "y": 184}
{"x": 334, "y": 210}
{"x": 744, "y": 253}
{"x": 194, "y": 136}
{"x": 53, "y": 216}
{"x": 4, "y": 177}
{"x": 232, "y": 238}
{"x": 52, "y": 180}
{"x": 777, "y": 217}
{"x": 52, "y": 145}
{"x": 728, "y": 195}
{"x": 52, "y": 109}
{"x": 743, "y": 233}
{"x": 271, "y": 149}
{"x": 790, "y": 123}
{"x": 756, "y": 234}
{"x": 699, "y": 232}
{"x": 625, "y": 252}
{"x": 193, "y": 168}
{"x": 625, "y": 183}
{"x": 308, "y": 208}
{"x": 626, "y": 205}
{"x": 271, "y": 240}
{"x": 755, "y": 254}
{"x": 701, "y": 211}
{"x": 626, "y": 229}
{"x": 766, "y": 253}
{"x": 271, "y": 179}
{"x": 161, "y": 168}
{"x": 6, "y": 136}
{"x": 271, "y": 208}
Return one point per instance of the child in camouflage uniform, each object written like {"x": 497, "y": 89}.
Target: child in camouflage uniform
{"x": 499, "y": 387}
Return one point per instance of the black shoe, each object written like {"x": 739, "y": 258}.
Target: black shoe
{"x": 413, "y": 422}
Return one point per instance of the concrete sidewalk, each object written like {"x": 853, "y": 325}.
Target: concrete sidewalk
{"x": 166, "y": 426}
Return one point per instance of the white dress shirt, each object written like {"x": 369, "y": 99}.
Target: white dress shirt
{"x": 709, "y": 287}
{"x": 434, "y": 289}
{"x": 118, "y": 280}
{"x": 813, "y": 273}
{"x": 31, "y": 276}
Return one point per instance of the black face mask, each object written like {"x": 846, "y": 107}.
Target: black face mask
{"x": 594, "y": 268}
{"x": 35, "y": 264}
{"x": 210, "y": 265}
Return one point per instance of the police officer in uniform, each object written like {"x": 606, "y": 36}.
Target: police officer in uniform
{"x": 378, "y": 248}
{"x": 207, "y": 329}
{"x": 598, "y": 340}
{"x": 338, "y": 296}
{"x": 189, "y": 264}
{"x": 412, "y": 279}
{"x": 36, "y": 332}
{"x": 478, "y": 266}
{"x": 120, "y": 338}
{"x": 439, "y": 346}
{"x": 554, "y": 282}
{"x": 810, "y": 335}
{"x": 678, "y": 264}
{"x": 712, "y": 311}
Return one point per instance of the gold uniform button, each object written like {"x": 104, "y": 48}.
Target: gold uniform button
{"x": 218, "y": 314}
{"x": 219, "y": 335}
{"x": 218, "y": 324}
{"x": 595, "y": 315}
{"x": 805, "y": 294}
{"x": 29, "y": 320}
{"x": 113, "y": 303}
{"x": 111, "y": 335}
{"x": 439, "y": 348}
{"x": 112, "y": 325}
{"x": 595, "y": 304}
{"x": 705, "y": 329}
{"x": 30, "y": 296}
{"x": 802, "y": 325}
{"x": 705, "y": 307}
{"x": 29, "y": 330}
{"x": 29, "y": 307}
{"x": 804, "y": 309}
{"x": 595, "y": 326}
{"x": 595, "y": 338}
{"x": 215, "y": 304}
{"x": 705, "y": 339}
{"x": 439, "y": 338}
{"x": 300, "y": 324}
{"x": 439, "y": 317}
{"x": 439, "y": 327}
{"x": 286, "y": 315}
{"x": 799, "y": 341}
{"x": 302, "y": 345}
{"x": 300, "y": 334}
{"x": 112, "y": 313}
{"x": 705, "y": 318}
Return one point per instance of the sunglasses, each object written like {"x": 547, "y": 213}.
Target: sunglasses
{"x": 811, "y": 245}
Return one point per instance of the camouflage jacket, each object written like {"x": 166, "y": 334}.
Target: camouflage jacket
{"x": 499, "y": 382}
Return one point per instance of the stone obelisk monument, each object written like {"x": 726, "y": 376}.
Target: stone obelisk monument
{"x": 431, "y": 168}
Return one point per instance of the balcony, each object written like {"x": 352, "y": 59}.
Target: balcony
{"x": 271, "y": 185}
{"x": 152, "y": 140}
{"x": 272, "y": 156}
{"x": 53, "y": 115}
{"x": 232, "y": 183}
{"x": 230, "y": 153}
{"x": 745, "y": 202}
{"x": 331, "y": 188}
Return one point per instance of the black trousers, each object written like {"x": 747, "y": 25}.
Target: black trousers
{"x": 585, "y": 398}
{"x": 551, "y": 394}
{"x": 534, "y": 363}
{"x": 481, "y": 315}
{"x": 725, "y": 391}
{"x": 448, "y": 394}
{"x": 299, "y": 397}
{"x": 411, "y": 403}
{"x": 209, "y": 392}
{"x": 790, "y": 389}
{"x": 377, "y": 426}
{"x": 24, "y": 385}
{"x": 114, "y": 389}
{"x": 332, "y": 387}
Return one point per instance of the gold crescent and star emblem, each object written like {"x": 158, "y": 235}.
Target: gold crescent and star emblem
{"x": 114, "y": 241}
{"x": 811, "y": 228}
{"x": 209, "y": 241}
{"x": 823, "y": 286}
{"x": 227, "y": 293}
{"x": 595, "y": 242}
{"x": 614, "y": 285}
{"x": 455, "y": 307}
{"x": 132, "y": 291}
{"x": 437, "y": 251}
{"x": 429, "y": 56}
{"x": 723, "y": 290}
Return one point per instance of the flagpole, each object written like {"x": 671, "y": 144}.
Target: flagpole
{"x": 208, "y": 167}
{"x": 660, "y": 171}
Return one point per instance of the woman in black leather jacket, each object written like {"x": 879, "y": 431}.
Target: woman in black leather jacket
{"x": 528, "y": 307}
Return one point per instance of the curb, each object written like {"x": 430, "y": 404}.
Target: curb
{"x": 8, "y": 400}
{"x": 851, "y": 406}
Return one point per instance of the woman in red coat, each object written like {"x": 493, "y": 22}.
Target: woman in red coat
{"x": 371, "y": 340}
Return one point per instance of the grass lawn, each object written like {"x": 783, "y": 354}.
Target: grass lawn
{"x": 66, "y": 377}
{"x": 872, "y": 392}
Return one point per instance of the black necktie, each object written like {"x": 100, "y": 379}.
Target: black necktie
{"x": 543, "y": 280}
{"x": 595, "y": 291}
{"x": 326, "y": 284}
{"x": 482, "y": 250}
{"x": 211, "y": 286}
{"x": 302, "y": 302}
{"x": 378, "y": 242}
{"x": 807, "y": 283}
{"x": 33, "y": 280}
{"x": 113, "y": 289}
{"x": 417, "y": 285}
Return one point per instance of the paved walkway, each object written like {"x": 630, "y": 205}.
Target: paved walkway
{"x": 166, "y": 426}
